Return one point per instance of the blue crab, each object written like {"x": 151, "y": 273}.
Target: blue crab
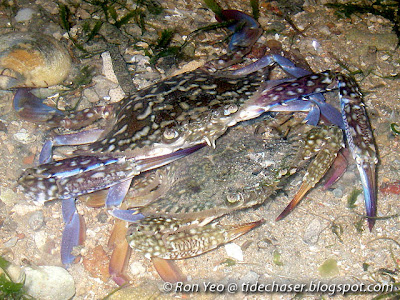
{"x": 182, "y": 114}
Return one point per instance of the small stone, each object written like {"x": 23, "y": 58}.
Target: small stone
{"x": 233, "y": 250}
{"x": 40, "y": 239}
{"x": 102, "y": 217}
{"x": 251, "y": 276}
{"x": 329, "y": 268}
{"x": 49, "y": 283}
{"x": 96, "y": 263}
{"x": 11, "y": 242}
{"x": 8, "y": 196}
{"x": 24, "y": 14}
{"x": 23, "y": 209}
{"x": 312, "y": 232}
{"x": 24, "y": 137}
{"x": 36, "y": 220}
{"x": 137, "y": 268}
{"x": 337, "y": 193}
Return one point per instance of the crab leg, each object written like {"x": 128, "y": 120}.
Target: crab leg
{"x": 72, "y": 177}
{"x": 31, "y": 108}
{"x": 326, "y": 142}
{"x": 74, "y": 231}
{"x": 80, "y": 138}
{"x": 189, "y": 242}
{"x": 357, "y": 128}
{"x": 361, "y": 141}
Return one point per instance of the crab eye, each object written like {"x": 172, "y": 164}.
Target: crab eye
{"x": 170, "y": 134}
{"x": 234, "y": 198}
{"x": 230, "y": 109}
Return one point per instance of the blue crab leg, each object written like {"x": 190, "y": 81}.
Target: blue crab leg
{"x": 76, "y": 176}
{"x": 74, "y": 231}
{"x": 315, "y": 104}
{"x": 80, "y": 138}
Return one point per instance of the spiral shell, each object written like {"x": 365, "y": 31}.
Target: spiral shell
{"x": 32, "y": 60}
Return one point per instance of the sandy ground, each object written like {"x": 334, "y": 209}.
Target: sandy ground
{"x": 322, "y": 227}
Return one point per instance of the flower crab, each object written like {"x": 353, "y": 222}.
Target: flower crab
{"x": 180, "y": 115}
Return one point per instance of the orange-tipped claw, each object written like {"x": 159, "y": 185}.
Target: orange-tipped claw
{"x": 305, "y": 187}
{"x": 239, "y": 230}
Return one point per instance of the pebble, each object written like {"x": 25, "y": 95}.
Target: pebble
{"x": 40, "y": 239}
{"x": 11, "y": 242}
{"x": 251, "y": 277}
{"x": 24, "y": 137}
{"x": 312, "y": 232}
{"x": 233, "y": 250}
{"x": 24, "y": 14}
{"x": 137, "y": 268}
{"x": 23, "y": 209}
{"x": 36, "y": 220}
{"x": 49, "y": 283}
{"x": 8, "y": 196}
{"x": 338, "y": 193}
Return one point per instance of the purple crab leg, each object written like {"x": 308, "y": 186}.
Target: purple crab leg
{"x": 80, "y": 138}
{"x": 31, "y": 108}
{"x": 319, "y": 108}
{"x": 74, "y": 231}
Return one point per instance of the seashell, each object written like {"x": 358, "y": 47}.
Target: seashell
{"x": 32, "y": 60}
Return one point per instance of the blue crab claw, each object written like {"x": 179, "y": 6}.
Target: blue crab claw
{"x": 246, "y": 33}
{"x": 298, "y": 94}
{"x": 170, "y": 238}
{"x": 246, "y": 29}
{"x": 74, "y": 231}
{"x": 360, "y": 140}
{"x": 31, "y": 108}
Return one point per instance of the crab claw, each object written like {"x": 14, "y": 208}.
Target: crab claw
{"x": 360, "y": 140}
{"x": 326, "y": 141}
{"x": 246, "y": 32}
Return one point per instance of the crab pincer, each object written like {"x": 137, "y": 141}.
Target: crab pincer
{"x": 297, "y": 94}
